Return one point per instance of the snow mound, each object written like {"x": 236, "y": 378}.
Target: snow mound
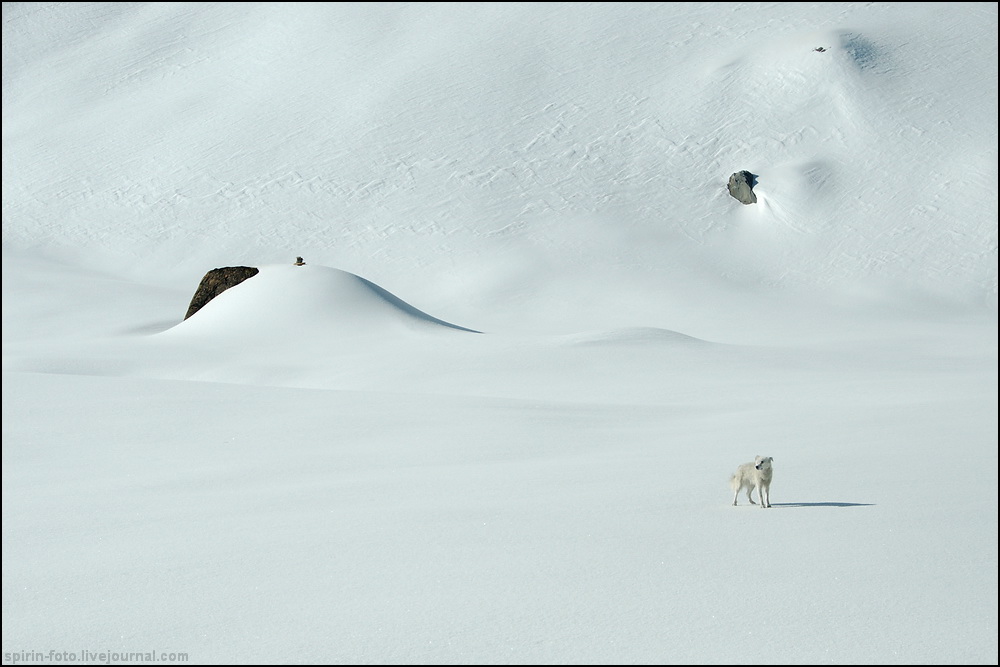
{"x": 632, "y": 336}
{"x": 283, "y": 299}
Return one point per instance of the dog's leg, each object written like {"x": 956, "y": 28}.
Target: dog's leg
{"x": 765, "y": 495}
{"x": 750, "y": 495}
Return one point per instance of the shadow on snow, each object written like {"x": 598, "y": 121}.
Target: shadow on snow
{"x": 822, "y": 504}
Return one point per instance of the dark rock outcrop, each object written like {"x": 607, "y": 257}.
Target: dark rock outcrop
{"x": 741, "y": 187}
{"x": 216, "y": 282}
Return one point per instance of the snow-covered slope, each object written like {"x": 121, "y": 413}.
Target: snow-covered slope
{"x": 473, "y": 153}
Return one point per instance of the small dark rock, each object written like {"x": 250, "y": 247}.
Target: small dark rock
{"x": 216, "y": 282}
{"x": 741, "y": 187}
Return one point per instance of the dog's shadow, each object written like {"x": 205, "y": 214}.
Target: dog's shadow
{"x": 822, "y": 504}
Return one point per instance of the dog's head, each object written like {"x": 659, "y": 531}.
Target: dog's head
{"x": 762, "y": 462}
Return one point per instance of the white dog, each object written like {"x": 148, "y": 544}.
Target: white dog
{"x": 754, "y": 475}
